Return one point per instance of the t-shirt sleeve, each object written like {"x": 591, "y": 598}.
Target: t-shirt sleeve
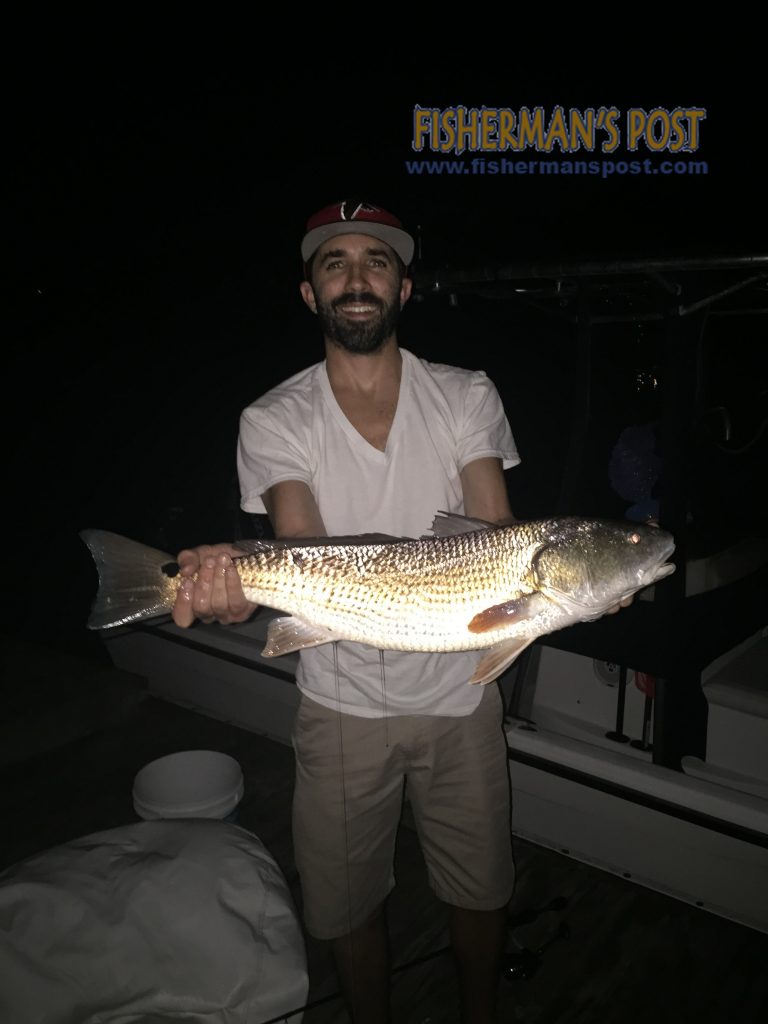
{"x": 268, "y": 452}
{"x": 485, "y": 431}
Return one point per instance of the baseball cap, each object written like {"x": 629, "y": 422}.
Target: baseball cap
{"x": 353, "y": 217}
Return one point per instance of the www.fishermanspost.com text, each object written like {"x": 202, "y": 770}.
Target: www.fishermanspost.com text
{"x": 479, "y": 165}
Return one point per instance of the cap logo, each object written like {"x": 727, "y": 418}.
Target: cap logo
{"x": 349, "y": 211}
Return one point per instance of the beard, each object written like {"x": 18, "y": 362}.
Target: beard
{"x": 353, "y": 336}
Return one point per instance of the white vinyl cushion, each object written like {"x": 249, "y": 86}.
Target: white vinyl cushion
{"x": 161, "y": 920}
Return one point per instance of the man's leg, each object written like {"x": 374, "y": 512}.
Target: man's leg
{"x": 478, "y": 938}
{"x": 347, "y": 802}
{"x": 460, "y": 793}
{"x": 362, "y": 962}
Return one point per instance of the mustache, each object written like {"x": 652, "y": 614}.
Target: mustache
{"x": 348, "y": 297}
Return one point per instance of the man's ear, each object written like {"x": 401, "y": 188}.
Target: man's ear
{"x": 308, "y": 295}
{"x": 406, "y": 287}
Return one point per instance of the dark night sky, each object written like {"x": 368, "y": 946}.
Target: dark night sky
{"x": 155, "y": 220}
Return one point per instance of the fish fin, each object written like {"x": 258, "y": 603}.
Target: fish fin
{"x": 252, "y": 547}
{"x": 498, "y": 615}
{"x": 449, "y": 524}
{"x": 353, "y": 539}
{"x": 499, "y": 658}
{"x": 136, "y": 582}
{"x": 257, "y": 545}
{"x": 290, "y": 633}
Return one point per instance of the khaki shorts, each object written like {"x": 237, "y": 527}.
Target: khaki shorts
{"x": 350, "y": 777}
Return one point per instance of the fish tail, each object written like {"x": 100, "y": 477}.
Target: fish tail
{"x": 135, "y": 581}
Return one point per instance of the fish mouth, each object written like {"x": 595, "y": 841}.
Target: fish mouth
{"x": 651, "y": 575}
{"x": 665, "y": 569}
{"x": 658, "y": 569}
{"x": 645, "y": 577}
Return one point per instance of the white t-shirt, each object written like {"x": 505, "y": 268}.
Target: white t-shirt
{"x": 446, "y": 417}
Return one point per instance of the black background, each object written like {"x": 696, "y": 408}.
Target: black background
{"x": 156, "y": 207}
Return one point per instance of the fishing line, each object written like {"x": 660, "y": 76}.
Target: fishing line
{"x": 335, "y": 646}
{"x": 384, "y": 698}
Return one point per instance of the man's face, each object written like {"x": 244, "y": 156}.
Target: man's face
{"x": 357, "y": 291}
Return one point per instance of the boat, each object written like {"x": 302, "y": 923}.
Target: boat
{"x": 638, "y": 743}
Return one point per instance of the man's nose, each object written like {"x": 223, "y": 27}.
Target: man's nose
{"x": 357, "y": 276}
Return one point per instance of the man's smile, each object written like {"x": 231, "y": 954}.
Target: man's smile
{"x": 357, "y": 306}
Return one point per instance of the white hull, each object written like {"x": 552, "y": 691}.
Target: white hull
{"x": 700, "y": 835}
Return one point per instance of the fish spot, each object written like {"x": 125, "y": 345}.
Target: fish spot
{"x": 170, "y": 569}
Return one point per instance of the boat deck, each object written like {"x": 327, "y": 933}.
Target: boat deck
{"x": 613, "y": 951}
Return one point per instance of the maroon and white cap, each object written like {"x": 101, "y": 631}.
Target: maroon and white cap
{"x": 353, "y": 217}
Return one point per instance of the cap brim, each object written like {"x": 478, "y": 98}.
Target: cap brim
{"x": 396, "y": 239}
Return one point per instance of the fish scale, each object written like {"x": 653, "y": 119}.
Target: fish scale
{"x": 399, "y": 596}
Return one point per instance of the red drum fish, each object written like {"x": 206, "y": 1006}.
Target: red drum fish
{"x": 469, "y": 586}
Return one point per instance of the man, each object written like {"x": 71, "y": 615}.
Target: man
{"x": 375, "y": 440}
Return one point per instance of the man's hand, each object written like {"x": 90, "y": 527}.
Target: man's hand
{"x": 216, "y": 594}
{"x": 624, "y": 604}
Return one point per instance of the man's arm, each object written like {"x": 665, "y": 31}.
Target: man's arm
{"x": 485, "y": 492}
{"x": 216, "y": 594}
{"x": 293, "y": 511}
